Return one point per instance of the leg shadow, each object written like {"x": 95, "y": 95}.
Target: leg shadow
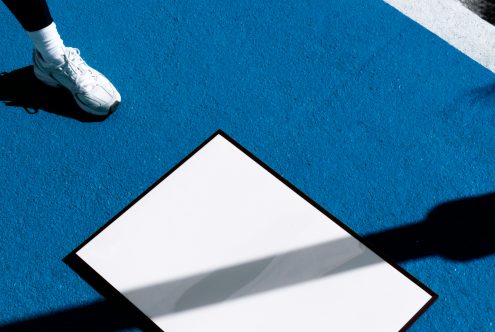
{"x": 461, "y": 230}
{"x": 20, "y": 88}
{"x": 103, "y": 316}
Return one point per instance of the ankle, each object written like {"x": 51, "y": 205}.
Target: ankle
{"x": 48, "y": 43}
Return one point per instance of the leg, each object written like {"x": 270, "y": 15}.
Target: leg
{"x": 33, "y": 15}
{"x": 35, "y": 18}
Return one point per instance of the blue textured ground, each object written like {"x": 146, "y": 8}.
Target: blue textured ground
{"x": 371, "y": 115}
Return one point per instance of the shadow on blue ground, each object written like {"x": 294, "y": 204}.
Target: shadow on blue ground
{"x": 20, "y": 88}
{"x": 460, "y": 230}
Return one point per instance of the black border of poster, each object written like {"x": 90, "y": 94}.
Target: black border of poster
{"x": 101, "y": 285}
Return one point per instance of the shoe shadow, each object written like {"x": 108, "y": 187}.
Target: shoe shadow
{"x": 20, "y": 88}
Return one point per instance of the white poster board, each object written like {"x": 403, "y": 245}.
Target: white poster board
{"x": 223, "y": 244}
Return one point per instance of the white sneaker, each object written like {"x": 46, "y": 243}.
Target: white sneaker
{"x": 92, "y": 91}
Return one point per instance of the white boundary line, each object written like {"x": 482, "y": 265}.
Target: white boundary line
{"x": 455, "y": 24}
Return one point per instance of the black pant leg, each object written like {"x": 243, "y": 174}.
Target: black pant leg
{"x": 33, "y": 15}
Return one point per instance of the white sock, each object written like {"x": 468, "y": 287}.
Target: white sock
{"x": 48, "y": 42}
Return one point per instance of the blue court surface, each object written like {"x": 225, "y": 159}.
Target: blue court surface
{"x": 371, "y": 115}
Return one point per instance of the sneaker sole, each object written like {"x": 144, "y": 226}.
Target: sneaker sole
{"x": 109, "y": 111}
{"x": 114, "y": 107}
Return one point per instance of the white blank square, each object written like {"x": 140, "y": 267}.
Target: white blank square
{"x": 221, "y": 244}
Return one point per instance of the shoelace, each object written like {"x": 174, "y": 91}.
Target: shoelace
{"x": 77, "y": 69}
